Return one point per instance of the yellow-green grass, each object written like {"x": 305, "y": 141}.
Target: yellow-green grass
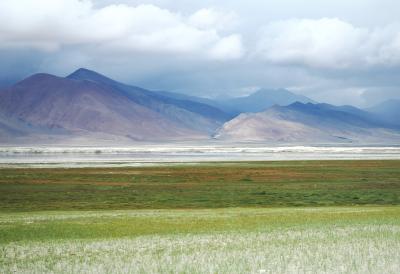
{"x": 356, "y": 239}
{"x": 209, "y": 185}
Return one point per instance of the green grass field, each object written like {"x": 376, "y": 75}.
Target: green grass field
{"x": 256, "y": 217}
{"x": 212, "y": 185}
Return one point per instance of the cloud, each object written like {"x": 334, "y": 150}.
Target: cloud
{"x": 329, "y": 43}
{"x": 52, "y": 24}
{"x": 211, "y": 18}
{"x": 229, "y": 47}
{"x": 211, "y": 47}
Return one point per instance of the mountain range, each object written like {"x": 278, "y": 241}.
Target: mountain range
{"x": 88, "y": 107}
{"x": 316, "y": 123}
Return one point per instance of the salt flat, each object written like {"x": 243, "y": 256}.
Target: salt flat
{"x": 151, "y": 154}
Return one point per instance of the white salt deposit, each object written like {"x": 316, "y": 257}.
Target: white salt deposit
{"x": 152, "y": 154}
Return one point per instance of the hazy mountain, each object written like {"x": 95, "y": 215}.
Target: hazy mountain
{"x": 388, "y": 111}
{"x": 255, "y": 102}
{"x": 309, "y": 122}
{"x": 89, "y": 104}
{"x": 261, "y": 100}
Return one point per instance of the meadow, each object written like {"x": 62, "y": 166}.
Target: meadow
{"x": 268, "y": 240}
{"x": 206, "y": 185}
{"x": 238, "y": 217}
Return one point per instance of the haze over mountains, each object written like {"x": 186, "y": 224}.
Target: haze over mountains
{"x": 388, "y": 111}
{"x": 89, "y": 107}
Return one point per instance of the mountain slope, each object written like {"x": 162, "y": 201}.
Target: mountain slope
{"x": 10, "y": 128}
{"x": 14, "y": 128}
{"x": 85, "y": 107}
{"x": 191, "y": 114}
{"x": 309, "y": 122}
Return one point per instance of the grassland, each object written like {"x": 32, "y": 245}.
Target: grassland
{"x": 256, "y": 217}
{"x": 280, "y": 240}
{"x": 212, "y": 185}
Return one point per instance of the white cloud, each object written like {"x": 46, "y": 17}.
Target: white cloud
{"x": 52, "y": 24}
{"x": 211, "y": 18}
{"x": 229, "y": 47}
{"x": 329, "y": 43}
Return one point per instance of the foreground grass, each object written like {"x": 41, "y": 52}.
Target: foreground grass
{"x": 212, "y": 185}
{"x": 258, "y": 217}
{"x": 237, "y": 240}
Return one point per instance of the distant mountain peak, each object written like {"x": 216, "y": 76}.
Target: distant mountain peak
{"x": 299, "y": 104}
{"x": 263, "y": 91}
{"x": 263, "y": 99}
{"x": 82, "y": 70}
{"x": 86, "y": 74}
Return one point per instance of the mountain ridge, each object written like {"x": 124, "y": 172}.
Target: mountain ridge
{"x": 306, "y": 123}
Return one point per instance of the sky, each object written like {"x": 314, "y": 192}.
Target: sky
{"x": 334, "y": 51}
